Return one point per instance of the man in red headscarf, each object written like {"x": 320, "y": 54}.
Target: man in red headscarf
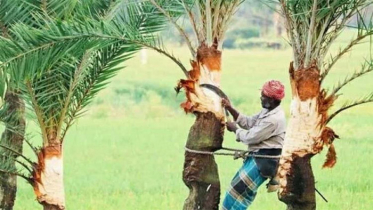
{"x": 264, "y": 134}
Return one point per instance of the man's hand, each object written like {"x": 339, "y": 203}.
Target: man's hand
{"x": 226, "y": 103}
{"x": 231, "y": 126}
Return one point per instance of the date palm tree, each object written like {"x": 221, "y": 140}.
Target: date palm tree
{"x": 209, "y": 20}
{"x": 312, "y": 27}
{"x": 58, "y": 64}
{"x": 12, "y": 113}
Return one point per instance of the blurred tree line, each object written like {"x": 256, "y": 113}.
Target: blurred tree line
{"x": 255, "y": 25}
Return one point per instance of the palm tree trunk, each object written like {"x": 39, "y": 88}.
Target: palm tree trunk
{"x": 51, "y": 207}
{"x": 303, "y": 139}
{"x": 200, "y": 172}
{"x": 12, "y": 137}
{"x": 295, "y": 171}
{"x": 300, "y": 194}
{"x": 48, "y": 178}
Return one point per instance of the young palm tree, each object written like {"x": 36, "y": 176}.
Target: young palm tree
{"x": 58, "y": 65}
{"x": 12, "y": 112}
{"x": 13, "y": 109}
{"x": 209, "y": 20}
{"x": 312, "y": 27}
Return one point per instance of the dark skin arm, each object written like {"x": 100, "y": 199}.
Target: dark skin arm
{"x": 231, "y": 126}
{"x": 227, "y": 104}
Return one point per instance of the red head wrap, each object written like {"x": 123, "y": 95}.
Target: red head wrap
{"x": 274, "y": 89}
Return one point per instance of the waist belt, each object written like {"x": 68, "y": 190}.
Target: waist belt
{"x": 267, "y": 161}
{"x": 266, "y": 152}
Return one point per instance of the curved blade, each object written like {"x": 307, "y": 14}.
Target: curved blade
{"x": 220, "y": 93}
{"x": 215, "y": 89}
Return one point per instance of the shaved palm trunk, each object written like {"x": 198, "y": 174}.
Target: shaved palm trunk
{"x": 48, "y": 178}
{"x": 200, "y": 172}
{"x": 305, "y": 136}
{"x": 13, "y": 138}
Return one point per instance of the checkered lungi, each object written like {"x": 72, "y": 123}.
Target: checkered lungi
{"x": 243, "y": 187}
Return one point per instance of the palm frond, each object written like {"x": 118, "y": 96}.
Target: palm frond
{"x": 215, "y": 17}
{"x": 351, "y": 104}
{"x": 68, "y": 62}
{"x": 14, "y": 152}
{"x": 103, "y": 66}
{"x": 209, "y": 19}
{"x": 14, "y": 11}
{"x": 7, "y": 161}
{"x": 156, "y": 44}
{"x": 3, "y": 86}
{"x": 59, "y": 9}
{"x": 17, "y": 173}
{"x": 32, "y": 147}
{"x": 365, "y": 68}
{"x": 314, "y": 25}
{"x": 169, "y": 10}
{"x": 362, "y": 34}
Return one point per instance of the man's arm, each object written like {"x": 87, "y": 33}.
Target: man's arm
{"x": 233, "y": 112}
{"x": 227, "y": 105}
{"x": 255, "y": 135}
{"x": 246, "y": 122}
{"x": 243, "y": 121}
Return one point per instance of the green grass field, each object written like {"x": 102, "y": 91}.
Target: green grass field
{"x": 127, "y": 151}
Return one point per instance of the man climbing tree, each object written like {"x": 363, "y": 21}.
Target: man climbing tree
{"x": 264, "y": 134}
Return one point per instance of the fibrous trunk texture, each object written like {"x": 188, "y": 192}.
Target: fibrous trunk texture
{"x": 306, "y": 136}
{"x": 300, "y": 188}
{"x": 12, "y": 137}
{"x": 205, "y": 70}
{"x": 51, "y": 207}
{"x": 200, "y": 172}
{"x": 48, "y": 178}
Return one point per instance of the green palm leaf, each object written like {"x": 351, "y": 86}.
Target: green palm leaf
{"x": 61, "y": 65}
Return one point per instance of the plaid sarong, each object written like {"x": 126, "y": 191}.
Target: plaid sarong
{"x": 243, "y": 187}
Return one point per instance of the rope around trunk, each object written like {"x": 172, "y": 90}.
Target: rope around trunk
{"x": 236, "y": 155}
{"x": 241, "y": 154}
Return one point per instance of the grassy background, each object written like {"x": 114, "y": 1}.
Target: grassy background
{"x": 127, "y": 151}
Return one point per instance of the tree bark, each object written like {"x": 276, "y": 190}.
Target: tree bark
{"x": 12, "y": 137}
{"x": 51, "y": 207}
{"x": 200, "y": 170}
{"x": 300, "y": 191}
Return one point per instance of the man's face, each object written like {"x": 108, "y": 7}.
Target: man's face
{"x": 266, "y": 101}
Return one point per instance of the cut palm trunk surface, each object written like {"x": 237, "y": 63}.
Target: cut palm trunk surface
{"x": 48, "y": 178}
{"x": 305, "y": 136}
{"x": 308, "y": 132}
{"x": 200, "y": 172}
